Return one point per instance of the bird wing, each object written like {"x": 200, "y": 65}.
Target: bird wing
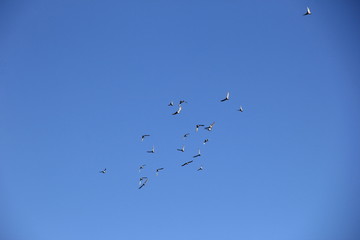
{"x": 227, "y": 95}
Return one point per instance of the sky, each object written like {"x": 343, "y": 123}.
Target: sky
{"x": 81, "y": 81}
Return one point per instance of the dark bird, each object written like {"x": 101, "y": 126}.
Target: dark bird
{"x": 209, "y": 128}
{"x": 143, "y": 181}
{"x": 227, "y": 97}
{"x": 186, "y": 135}
{"x": 308, "y": 12}
{"x": 241, "y": 109}
{"x": 103, "y": 171}
{"x": 142, "y": 167}
{"x": 182, "y": 101}
{"x": 200, "y": 168}
{"x": 187, "y": 163}
{"x": 197, "y": 155}
{"x": 181, "y": 149}
{"x": 158, "y": 170}
{"x": 206, "y": 140}
{"x": 152, "y": 150}
{"x": 178, "y": 111}
{"x": 143, "y": 136}
{"x": 199, "y": 125}
{"x": 171, "y": 104}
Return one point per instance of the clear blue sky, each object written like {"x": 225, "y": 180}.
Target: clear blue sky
{"x": 81, "y": 81}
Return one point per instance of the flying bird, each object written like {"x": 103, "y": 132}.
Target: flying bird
{"x": 142, "y": 167}
{"x": 143, "y": 181}
{"x": 152, "y": 150}
{"x": 143, "y": 136}
{"x": 186, "y": 135}
{"x": 241, "y": 109}
{"x": 171, "y": 104}
{"x": 187, "y": 163}
{"x": 158, "y": 170}
{"x": 197, "y": 155}
{"x": 199, "y": 125}
{"x": 308, "y": 12}
{"x": 103, "y": 171}
{"x": 206, "y": 140}
{"x": 227, "y": 97}
{"x": 209, "y": 128}
{"x": 200, "y": 168}
{"x": 181, "y": 149}
{"x": 182, "y": 101}
{"x": 178, "y": 111}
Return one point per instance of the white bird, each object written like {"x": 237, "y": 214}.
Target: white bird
{"x": 187, "y": 163}
{"x": 241, "y": 109}
{"x": 158, "y": 170}
{"x": 103, "y": 171}
{"x": 143, "y": 136}
{"x": 178, "y": 111}
{"x": 209, "y": 128}
{"x": 181, "y": 149}
{"x": 197, "y": 127}
{"x": 227, "y": 97}
{"x": 142, "y": 167}
{"x": 152, "y": 150}
{"x": 308, "y": 12}
{"x": 206, "y": 140}
{"x": 200, "y": 168}
{"x": 141, "y": 183}
{"x": 171, "y": 104}
{"x": 197, "y": 155}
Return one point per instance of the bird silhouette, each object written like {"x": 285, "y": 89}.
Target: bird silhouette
{"x": 171, "y": 104}
{"x": 181, "y": 149}
{"x": 226, "y": 98}
{"x": 103, "y": 171}
{"x": 142, "y": 167}
{"x": 178, "y": 111}
{"x": 187, "y": 163}
{"x": 199, "y": 125}
{"x": 197, "y": 155}
{"x": 209, "y": 128}
{"x": 152, "y": 150}
{"x": 143, "y": 181}
{"x": 158, "y": 170}
{"x": 200, "y": 168}
{"x": 241, "y": 109}
{"x": 143, "y": 136}
{"x": 308, "y": 12}
{"x": 206, "y": 140}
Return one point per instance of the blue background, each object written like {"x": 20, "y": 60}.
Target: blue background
{"x": 81, "y": 81}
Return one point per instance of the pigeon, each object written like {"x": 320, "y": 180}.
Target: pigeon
{"x": 209, "y": 128}
{"x": 171, "y": 104}
{"x": 143, "y": 136}
{"x": 241, "y": 109}
{"x": 308, "y": 12}
{"x": 103, "y": 171}
{"x": 227, "y": 97}
{"x": 200, "y": 168}
{"x": 186, "y": 135}
{"x": 182, "y": 101}
{"x": 178, "y": 111}
{"x": 199, "y": 125}
{"x": 197, "y": 155}
{"x": 157, "y": 171}
{"x": 181, "y": 149}
{"x": 206, "y": 140}
{"x": 142, "y": 167}
{"x": 141, "y": 183}
{"x": 152, "y": 150}
{"x": 187, "y": 163}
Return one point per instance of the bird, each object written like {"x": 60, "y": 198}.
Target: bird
{"x": 227, "y": 97}
{"x": 206, "y": 140}
{"x": 142, "y": 167}
{"x": 152, "y": 150}
{"x": 241, "y": 109}
{"x": 187, "y": 163}
{"x": 186, "y": 135}
{"x": 141, "y": 183}
{"x": 103, "y": 171}
{"x": 171, "y": 104}
{"x": 143, "y": 136}
{"x": 200, "y": 168}
{"x": 157, "y": 171}
{"x": 308, "y": 12}
{"x": 178, "y": 111}
{"x": 182, "y": 101}
{"x": 197, "y": 155}
{"x": 181, "y": 149}
{"x": 199, "y": 125}
{"x": 209, "y": 128}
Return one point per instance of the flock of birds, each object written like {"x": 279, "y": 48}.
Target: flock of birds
{"x": 144, "y": 180}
